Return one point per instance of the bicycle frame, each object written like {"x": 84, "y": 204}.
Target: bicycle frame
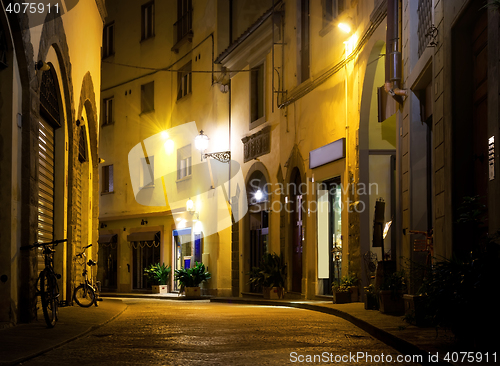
{"x": 87, "y": 290}
{"x": 47, "y": 287}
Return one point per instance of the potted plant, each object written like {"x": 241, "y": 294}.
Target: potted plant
{"x": 341, "y": 294}
{"x": 159, "y": 275}
{"x": 270, "y": 276}
{"x": 371, "y": 299}
{"x": 347, "y": 290}
{"x": 351, "y": 281}
{"x": 191, "y": 278}
{"x": 391, "y": 293}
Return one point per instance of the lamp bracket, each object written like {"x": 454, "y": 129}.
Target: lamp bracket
{"x": 223, "y": 156}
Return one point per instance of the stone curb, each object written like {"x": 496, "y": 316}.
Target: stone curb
{"x": 391, "y": 340}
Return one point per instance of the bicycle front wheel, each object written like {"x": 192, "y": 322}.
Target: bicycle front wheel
{"x": 84, "y": 295}
{"x": 49, "y": 293}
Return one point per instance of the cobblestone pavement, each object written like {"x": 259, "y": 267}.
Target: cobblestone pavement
{"x": 156, "y": 332}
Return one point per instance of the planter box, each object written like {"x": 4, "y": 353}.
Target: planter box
{"x": 415, "y": 310}
{"x": 391, "y": 303}
{"x": 160, "y": 289}
{"x": 354, "y": 293}
{"x": 341, "y": 297}
{"x": 371, "y": 302}
{"x": 273, "y": 293}
{"x": 192, "y": 291}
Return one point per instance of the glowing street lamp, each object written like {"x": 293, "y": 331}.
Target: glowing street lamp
{"x": 201, "y": 144}
{"x": 345, "y": 27}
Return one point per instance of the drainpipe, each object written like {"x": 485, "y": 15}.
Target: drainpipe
{"x": 393, "y": 59}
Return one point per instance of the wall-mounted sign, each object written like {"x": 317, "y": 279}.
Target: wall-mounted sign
{"x": 326, "y": 154}
{"x": 491, "y": 157}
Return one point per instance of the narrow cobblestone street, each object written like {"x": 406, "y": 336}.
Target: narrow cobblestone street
{"x": 160, "y": 332}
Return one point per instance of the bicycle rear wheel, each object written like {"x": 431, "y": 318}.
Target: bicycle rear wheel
{"x": 49, "y": 293}
{"x": 84, "y": 295}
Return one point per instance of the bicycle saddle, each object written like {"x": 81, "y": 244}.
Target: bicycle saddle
{"x": 91, "y": 262}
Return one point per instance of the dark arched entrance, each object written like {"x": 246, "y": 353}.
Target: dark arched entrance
{"x": 296, "y": 217}
{"x": 258, "y": 219}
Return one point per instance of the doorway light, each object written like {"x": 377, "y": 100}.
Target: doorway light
{"x": 258, "y": 195}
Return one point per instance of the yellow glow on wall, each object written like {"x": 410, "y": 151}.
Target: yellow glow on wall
{"x": 169, "y": 146}
{"x": 350, "y": 44}
{"x": 345, "y": 27}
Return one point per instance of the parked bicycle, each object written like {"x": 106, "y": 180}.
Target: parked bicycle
{"x": 87, "y": 293}
{"x": 47, "y": 287}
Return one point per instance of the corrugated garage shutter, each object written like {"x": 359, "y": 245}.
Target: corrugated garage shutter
{"x": 46, "y": 183}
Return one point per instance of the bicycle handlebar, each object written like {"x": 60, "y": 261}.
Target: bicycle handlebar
{"x": 36, "y": 245}
{"x": 81, "y": 254}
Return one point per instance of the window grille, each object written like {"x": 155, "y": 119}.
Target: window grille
{"x": 424, "y": 24}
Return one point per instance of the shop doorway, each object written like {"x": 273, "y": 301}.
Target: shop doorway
{"x": 145, "y": 252}
{"x": 183, "y": 251}
{"x": 329, "y": 236}
{"x": 107, "y": 272}
{"x": 258, "y": 222}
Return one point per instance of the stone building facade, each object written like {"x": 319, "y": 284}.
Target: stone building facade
{"x": 449, "y": 123}
{"x": 49, "y": 133}
{"x": 329, "y": 159}
{"x": 307, "y": 114}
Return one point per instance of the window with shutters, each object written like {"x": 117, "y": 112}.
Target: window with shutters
{"x": 107, "y": 110}
{"x": 108, "y": 40}
{"x": 257, "y": 96}
{"x": 303, "y": 42}
{"x": 147, "y": 20}
{"x": 184, "y": 25}
{"x": 184, "y": 162}
{"x": 147, "y": 172}
{"x": 148, "y": 97}
{"x": 184, "y": 81}
{"x": 331, "y": 10}
{"x": 107, "y": 179}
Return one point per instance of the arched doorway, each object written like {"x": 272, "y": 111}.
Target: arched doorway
{"x": 258, "y": 220}
{"x": 48, "y": 123}
{"x": 297, "y": 229}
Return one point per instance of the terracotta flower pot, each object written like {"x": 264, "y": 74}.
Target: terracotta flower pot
{"x": 192, "y": 291}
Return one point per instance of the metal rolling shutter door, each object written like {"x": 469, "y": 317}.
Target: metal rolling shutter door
{"x": 46, "y": 182}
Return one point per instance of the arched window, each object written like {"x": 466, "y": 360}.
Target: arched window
{"x": 82, "y": 145}
{"x": 49, "y": 98}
